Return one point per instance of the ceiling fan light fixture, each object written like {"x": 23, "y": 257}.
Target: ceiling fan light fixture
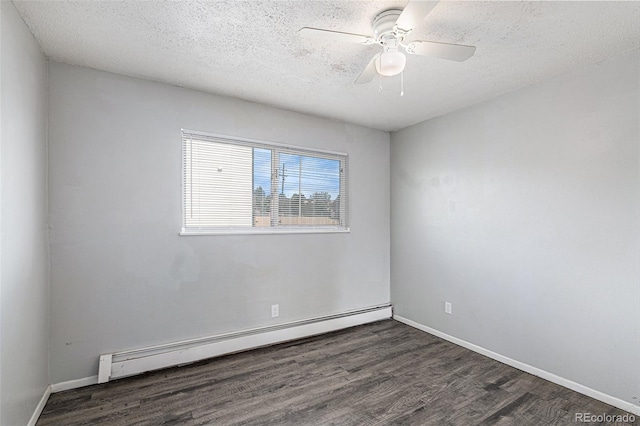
{"x": 391, "y": 62}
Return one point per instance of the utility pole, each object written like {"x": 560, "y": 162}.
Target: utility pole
{"x": 283, "y": 176}
{"x": 299, "y": 186}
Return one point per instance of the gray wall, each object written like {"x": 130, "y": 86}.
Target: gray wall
{"x": 24, "y": 284}
{"x": 524, "y": 213}
{"x": 122, "y": 277}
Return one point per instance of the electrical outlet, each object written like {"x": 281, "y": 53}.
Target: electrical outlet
{"x": 275, "y": 311}
{"x": 447, "y": 308}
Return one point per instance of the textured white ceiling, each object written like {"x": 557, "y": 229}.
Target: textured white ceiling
{"x": 251, "y": 49}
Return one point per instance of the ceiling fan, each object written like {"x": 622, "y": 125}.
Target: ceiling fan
{"x": 389, "y": 30}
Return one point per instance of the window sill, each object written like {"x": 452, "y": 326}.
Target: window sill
{"x": 264, "y": 231}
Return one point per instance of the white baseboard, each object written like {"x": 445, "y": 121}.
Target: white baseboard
{"x": 43, "y": 401}
{"x": 130, "y": 363}
{"x": 608, "y": 399}
{"x": 74, "y": 384}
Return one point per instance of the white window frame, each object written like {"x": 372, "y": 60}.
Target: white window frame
{"x": 284, "y": 148}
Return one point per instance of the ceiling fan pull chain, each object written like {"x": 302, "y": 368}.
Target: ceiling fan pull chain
{"x": 402, "y": 83}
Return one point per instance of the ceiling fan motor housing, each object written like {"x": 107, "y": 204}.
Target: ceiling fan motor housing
{"x": 384, "y": 24}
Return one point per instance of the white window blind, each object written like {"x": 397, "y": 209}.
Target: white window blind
{"x": 251, "y": 186}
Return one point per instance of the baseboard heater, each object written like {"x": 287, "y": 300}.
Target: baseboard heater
{"x": 137, "y": 361}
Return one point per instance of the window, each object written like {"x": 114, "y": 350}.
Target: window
{"x": 236, "y": 185}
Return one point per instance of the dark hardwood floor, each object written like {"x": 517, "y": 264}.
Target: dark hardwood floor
{"x": 380, "y": 373}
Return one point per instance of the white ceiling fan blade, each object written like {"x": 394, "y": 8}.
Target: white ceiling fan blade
{"x": 334, "y": 35}
{"x": 453, "y": 52}
{"x": 368, "y": 73}
{"x": 414, "y": 13}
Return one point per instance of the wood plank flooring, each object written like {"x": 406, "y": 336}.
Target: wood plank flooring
{"x": 374, "y": 374}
